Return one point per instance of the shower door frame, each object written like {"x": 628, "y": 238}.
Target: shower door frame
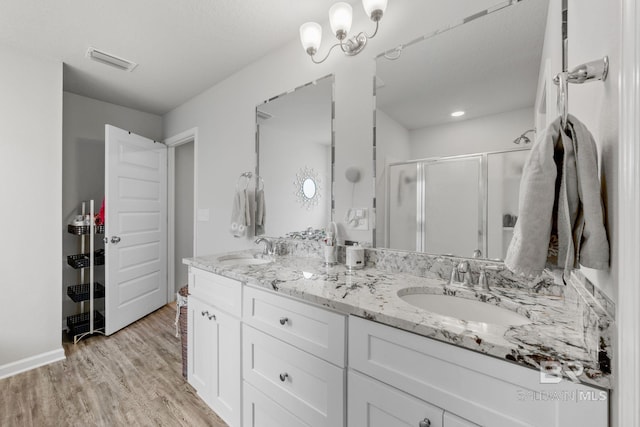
{"x": 483, "y": 196}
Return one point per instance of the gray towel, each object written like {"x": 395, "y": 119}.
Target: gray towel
{"x": 589, "y": 233}
{"x": 260, "y": 212}
{"x": 560, "y": 222}
{"x": 529, "y": 247}
{"x": 240, "y": 215}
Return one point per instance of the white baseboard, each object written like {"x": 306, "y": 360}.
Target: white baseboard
{"x": 23, "y": 365}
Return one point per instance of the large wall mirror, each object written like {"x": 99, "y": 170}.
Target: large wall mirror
{"x": 448, "y": 183}
{"x": 294, "y": 147}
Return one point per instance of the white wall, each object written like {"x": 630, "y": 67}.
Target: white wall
{"x": 30, "y": 171}
{"x": 225, "y": 114}
{"x": 488, "y": 133}
{"x": 593, "y": 33}
{"x": 83, "y": 165}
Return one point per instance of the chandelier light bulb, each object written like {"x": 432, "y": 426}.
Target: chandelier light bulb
{"x": 374, "y": 8}
{"x": 311, "y": 36}
{"x": 340, "y": 17}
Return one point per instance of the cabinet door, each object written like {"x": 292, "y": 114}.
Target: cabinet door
{"x": 200, "y": 353}
{"x": 451, "y": 420}
{"x": 374, "y": 404}
{"x": 214, "y": 359}
{"x": 226, "y": 380}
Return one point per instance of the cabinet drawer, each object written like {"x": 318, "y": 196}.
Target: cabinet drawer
{"x": 373, "y": 404}
{"x": 310, "y": 388}
{"x": 260, "y": 411}
{"x": 476, "y": 387}
{"x": 451, "y": 420}
{"x": 313, "y": 329}
{"x": 219, "y": 291}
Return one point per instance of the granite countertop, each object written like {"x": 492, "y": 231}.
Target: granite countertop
{"x": 557, "y": 331}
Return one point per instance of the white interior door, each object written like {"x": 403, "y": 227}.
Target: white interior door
{"x": 135, "y": 226}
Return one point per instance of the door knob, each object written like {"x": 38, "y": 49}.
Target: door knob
{"x": 115, "y": 240}
{"x": 284, "y": 320}
{"x": 424, "y": 423}
{"x": 284, "y": 376}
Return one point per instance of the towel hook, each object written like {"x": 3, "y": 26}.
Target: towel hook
{"x": 563, "y": 102}
{"x": 583, "y": 73}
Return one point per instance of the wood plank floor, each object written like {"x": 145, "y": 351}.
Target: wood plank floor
{"x": 132, "y": 378}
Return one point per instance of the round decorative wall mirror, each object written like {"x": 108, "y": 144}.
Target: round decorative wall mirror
{"x": 307, "y": 187}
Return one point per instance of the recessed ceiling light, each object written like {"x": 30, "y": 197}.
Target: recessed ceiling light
{"x": 457, "y": 114}
{"x": 110, "y": 59}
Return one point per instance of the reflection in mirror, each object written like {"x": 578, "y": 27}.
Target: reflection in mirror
{"x": 309, "y": 188}
{"x": 294, "y": 157}
{"x": 448, "y": 183}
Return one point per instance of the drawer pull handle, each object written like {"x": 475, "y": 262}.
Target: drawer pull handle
{"x": 424, "y": 423}
{"x": 212, "y": 316}
{"x": 284, "y": 320}
{"x": 284, "y": 376}
{"x": 204, "y": 313}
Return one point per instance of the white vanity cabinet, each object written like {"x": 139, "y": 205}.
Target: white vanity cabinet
{"x": 402, "y": 378}
{"x": 214, "y": 349}
{"x": 293, "y": 362}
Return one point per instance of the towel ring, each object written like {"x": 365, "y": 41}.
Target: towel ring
{"x": 247, "y": 176}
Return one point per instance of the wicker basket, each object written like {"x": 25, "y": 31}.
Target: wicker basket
{"x": 79, "y": 323}
{"x": 183, "y": 295}
{"x": 82, "y": 260}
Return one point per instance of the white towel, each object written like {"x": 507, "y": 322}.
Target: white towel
{"x": 240, "y": 215}
{"x": 560, "y": 222}
{"x": 260, "y": 212}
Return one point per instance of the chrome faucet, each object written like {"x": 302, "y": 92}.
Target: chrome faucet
{"x": 461, "y": 274}
{"x": 268, "y": 245}
{"x": 483, "y": 283}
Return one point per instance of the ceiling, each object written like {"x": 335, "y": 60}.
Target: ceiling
{"x": 182, "y": 46}
{"x": 484, "y": 67}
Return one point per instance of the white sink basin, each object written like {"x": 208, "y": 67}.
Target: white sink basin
{"x": 465, "y": 309}
{"x": 241, "y": 259}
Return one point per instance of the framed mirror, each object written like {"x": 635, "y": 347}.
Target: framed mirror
{"x": 455, "y": 117}
{"x": 294, "y": 144}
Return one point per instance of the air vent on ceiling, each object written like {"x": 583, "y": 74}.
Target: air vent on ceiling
{"x": 263, "y": 115}
{"x": 109, "y": 59}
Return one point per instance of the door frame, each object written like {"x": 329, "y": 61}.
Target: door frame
{"x": 185, "y": 137}
{"x": 628, "y": 248}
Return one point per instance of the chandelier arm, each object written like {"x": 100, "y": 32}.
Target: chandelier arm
{"x": 374, "y": 33}
{"x": 327, "y": 55}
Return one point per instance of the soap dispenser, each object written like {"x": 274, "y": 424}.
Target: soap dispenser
{"x": 331, "y": 244}
{"x": 355, "y": 257}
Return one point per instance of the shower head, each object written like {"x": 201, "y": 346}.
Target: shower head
{"x": 524, "y": 138}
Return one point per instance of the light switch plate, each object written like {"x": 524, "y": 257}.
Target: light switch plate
{"x": 203, "y": 214}
{"x": 357, "y": 218}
